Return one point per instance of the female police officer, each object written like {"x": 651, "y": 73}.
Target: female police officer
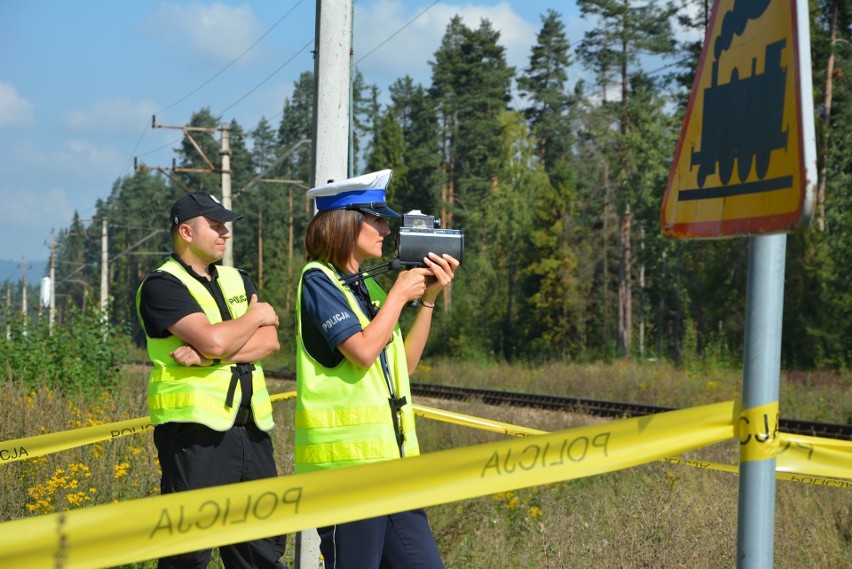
{"x": 353, "y": 401}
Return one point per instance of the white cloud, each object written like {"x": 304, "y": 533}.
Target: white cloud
{"x": 26, "y": 210}
{"x": 88, "y": 155}
{"x": 15, "y": 111}
{"x": 74, "y": 163}
{"x": 112, "y": 115}
{"x": 409, "y": 52}
{"x": 215, "y": 31}
{"x": 44, "y": 187}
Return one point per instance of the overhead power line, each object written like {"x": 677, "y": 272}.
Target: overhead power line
{"x": 267, "y": 78}
{"x": 236, "y": 59}
{"x": 204, "y": 84}
{"x": 390, "y": 37}
{"x": 600, "y": 93}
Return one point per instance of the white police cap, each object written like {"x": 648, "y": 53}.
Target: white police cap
{"x": 364, "y": 193}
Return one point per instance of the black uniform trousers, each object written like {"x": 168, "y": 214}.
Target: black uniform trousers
{"x": 194, "y": 456}
{"x": 395, "y": 541}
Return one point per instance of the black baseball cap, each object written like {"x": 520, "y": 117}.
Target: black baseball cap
{"x": 193, "y": 204}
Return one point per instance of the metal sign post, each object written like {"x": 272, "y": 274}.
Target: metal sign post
{"x": 761, "y": 380}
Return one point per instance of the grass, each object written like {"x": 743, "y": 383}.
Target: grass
{"x": 806, "y": 395}
{"x": 652, "y": 515}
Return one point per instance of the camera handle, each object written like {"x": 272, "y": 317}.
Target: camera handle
{"x": 392, "y": 265}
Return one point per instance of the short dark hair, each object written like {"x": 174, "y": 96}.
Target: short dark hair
{"x": 331, "y": 236}
{"x": 174, "y": 229}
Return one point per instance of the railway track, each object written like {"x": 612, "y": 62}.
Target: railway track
{"x": 594, "y": 407}
{"x": 601, "y": 408}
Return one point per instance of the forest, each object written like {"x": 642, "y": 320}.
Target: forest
{"x": 557, "y": 183}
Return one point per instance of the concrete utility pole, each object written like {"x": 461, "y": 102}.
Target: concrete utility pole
{"x": 8, "y": 312}
{"x": 104, "y": 271}
{"x": 350, "y": 163}
{"x": 332, "y": 67}
{"x": 52, "y": 309}
{"x": 332, "y": 76}
{"x": 24, "y": 268}
{"x": 225, "y": 153}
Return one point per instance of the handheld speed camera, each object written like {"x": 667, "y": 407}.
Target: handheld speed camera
{"x": 421, "y": 234}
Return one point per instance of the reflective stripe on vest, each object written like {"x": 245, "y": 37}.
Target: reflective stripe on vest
{"x": 197, "y": 394}
{"x": 343, "y": 415}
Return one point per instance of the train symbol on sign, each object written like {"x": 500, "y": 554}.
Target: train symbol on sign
{"x": 742, "y": 120}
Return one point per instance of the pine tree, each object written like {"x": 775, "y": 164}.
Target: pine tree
{"x": 446, "y": 68}
{"x": 543, "y": 85}
{"x": 512, "y": 208}
{"x": 470, "y": 83}
{"x": 290, "y": 212}
{"x": 257, "y": 198}
{"x": 297, "y": 125}
{"x": 693, "y": 16}
{"x": 624, "y": 32}
{"x": 365, "y": 116}
{"x": 73, "y": 273}
{"x": 388, "y": 152}
{"x": 557, "y": 305}
{"x": 418, "y": 187}
{"x": 264, "y": 148}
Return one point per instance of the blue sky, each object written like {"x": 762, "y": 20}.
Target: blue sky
{"x": 80, "y": 80}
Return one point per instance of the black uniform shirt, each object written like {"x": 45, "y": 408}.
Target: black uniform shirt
{"x": 165, "y": 300}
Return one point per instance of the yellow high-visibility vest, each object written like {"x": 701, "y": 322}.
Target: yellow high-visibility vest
{"x": 343, "y": 414}
{"x": 197, "y": 394}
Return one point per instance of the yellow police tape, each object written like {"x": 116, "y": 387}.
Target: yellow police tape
{"x": 39, "y": 445}
{"x": 759, "y": 432}
{"x": 814, "y": 460}
{"x": 148, "y": 528}
{"x": 812, "y": 456}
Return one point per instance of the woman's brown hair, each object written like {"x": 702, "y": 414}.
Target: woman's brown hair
{"x": 331, "y": 236}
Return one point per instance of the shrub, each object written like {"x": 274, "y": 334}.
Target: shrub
{"x": 80, "y": 356}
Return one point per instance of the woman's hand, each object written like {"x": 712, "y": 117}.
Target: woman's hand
{"x": 442, "y": 269}
{"x": 411, "y": 284}
{"x": 186, "y": 355}
{"x": 425, "y": 283}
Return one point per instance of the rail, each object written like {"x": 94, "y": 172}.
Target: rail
{"x": 593, "y": 407}
{"x": 603, "y": 408}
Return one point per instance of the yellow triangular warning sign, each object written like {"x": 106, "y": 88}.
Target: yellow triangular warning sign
{"x": 746, "y": 161}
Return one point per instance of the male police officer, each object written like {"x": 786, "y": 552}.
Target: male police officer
{"x": 207, "y": 397}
